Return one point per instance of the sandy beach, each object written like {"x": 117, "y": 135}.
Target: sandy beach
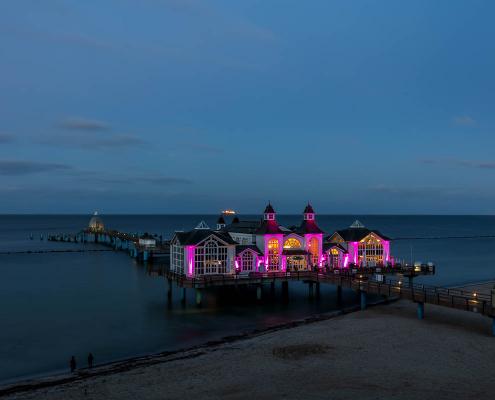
{"x": 383, "y": 352}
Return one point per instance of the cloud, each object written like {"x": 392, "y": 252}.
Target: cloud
{"x": 166, "y": 180}
{"x": 464, "y": 120}
{"x": 204, "y": 148}
{"x": 90, "y": 136}
{"x": 6, "y": 138}
{"x": 93, "y": 176}
{"x": 15, "y": 167}
{"x": 461, "y": 163}
{"x": 411, "y": 191}
{"x": 84, "y": 124}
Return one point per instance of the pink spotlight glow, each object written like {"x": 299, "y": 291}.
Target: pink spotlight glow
{"x": 237, "y": 265}
{"x": 190, "y": 250}
{"x": 346, "y": 260}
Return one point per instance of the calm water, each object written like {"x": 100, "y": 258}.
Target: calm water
{"x": 55, "y": 305}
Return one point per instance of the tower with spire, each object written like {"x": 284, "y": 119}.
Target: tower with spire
{"x": 220, "y": 222}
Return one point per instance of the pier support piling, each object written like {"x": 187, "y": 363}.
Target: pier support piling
{"x": 421, "y": 310}
{"x": 363, "y": 300}
{"x": 258, "y": 293}
{"x": 311, "y": 290}
{"x": 169, "y": 291}
{"x": 339, "y": 295}
{"x": 199, "y": 297}
{"x": 285, "y": 291}
{"x": 317, "y": 290}
{"x": 183, "y": 298}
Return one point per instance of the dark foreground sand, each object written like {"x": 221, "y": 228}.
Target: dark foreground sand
{"x": 381, "y": 353}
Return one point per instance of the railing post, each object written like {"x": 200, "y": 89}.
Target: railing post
{"x": 363, "y": 300}
{"x": 421, "y": 310}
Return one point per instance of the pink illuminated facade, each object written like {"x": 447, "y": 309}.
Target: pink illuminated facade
{"x": 243, "y": 247}
{"x": 365, "y": 247}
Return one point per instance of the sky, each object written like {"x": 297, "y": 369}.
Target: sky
{"x": 189, "y": 106}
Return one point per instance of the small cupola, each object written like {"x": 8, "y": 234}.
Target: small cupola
{"x": 269, "y": 213}
{"x": 357, "y": 224}
{"x": 220, "y": 222}
{"x": 309, "y": 214}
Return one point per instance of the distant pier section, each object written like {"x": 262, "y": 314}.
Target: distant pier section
{"x": 143, "y": 247}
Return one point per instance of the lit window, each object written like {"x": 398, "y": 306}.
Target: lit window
{"x": 273, "y": 254}
{"x": 292, "y": 243}
{"x": 314, "y": 250}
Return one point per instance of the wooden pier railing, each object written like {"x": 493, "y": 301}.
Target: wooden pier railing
{"x": 453, "y": 298}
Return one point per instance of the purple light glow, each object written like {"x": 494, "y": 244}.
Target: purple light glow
{"x": 190, "y": 250}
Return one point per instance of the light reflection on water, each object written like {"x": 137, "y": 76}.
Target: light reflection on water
{"x": 56, "y": 305}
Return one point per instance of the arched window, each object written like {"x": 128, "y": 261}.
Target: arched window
{"x": 370, "y": 250}
{"x": 334, "y": 258}
{"x": 292, "y": 243}
{"x": 314, "y": 250}
{"x": 210, "y": 258}
{"x": 247, "y": 261}
{"x": 273, "y": 254}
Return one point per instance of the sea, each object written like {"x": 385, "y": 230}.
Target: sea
{"x": 55, "y": 305}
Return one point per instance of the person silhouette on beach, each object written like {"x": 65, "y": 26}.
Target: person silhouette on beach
{"x": 90, "y": 360}
{"x": 72, "y": 364}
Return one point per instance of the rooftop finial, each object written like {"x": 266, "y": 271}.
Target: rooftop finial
{"x": 202, "y": 225}
{"x": 357, "y": 224}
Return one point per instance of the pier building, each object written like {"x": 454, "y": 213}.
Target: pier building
{"x": 263, "y": 245}
{"x": 365, "y": 247}
{"x": 96, "y": 224}
{"x": 147, "y": 241}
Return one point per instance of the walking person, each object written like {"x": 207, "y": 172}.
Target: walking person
{"x": 90, "y": 360}
{"x": 72, "y": 364}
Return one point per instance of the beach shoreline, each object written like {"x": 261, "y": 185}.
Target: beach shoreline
{"x": 56, "y": 378}
{"x": 382, "y": 349}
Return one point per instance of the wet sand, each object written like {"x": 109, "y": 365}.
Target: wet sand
{"x": 383, "y": 352}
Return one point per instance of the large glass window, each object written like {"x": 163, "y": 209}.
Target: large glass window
{"x": 247, "y": 261}
{"x": 177, "y": 258}
{"x": 370, "y": 250}
{"x": 273, "y": 255}
{"x": 210, "y": 258}
{"x": 334, "y": 258}
{"x": 314, "y": 250}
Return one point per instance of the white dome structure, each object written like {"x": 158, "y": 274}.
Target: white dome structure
{"x": 96, "y": 224}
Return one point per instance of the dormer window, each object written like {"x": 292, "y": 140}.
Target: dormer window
{"x": 269, "y": 217}
{"x": 309, "y": 217}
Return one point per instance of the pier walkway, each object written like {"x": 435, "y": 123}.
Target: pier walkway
{"x": 468, "y": 298}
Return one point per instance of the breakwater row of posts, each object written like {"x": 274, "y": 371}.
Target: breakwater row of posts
{"x": 145, "y": 248}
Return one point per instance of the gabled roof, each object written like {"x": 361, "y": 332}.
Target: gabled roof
{"x": 357, "y": 234}
{"x": 240, "y": 248}
{"x": 269, "y": 209}
{"x": 309, "y": 209}
{"x": 242, "y": 227}
{"x": 268, "y": 227}
{"x": 327, "y": 246}
{"x": 308, "y": 227}
{"x": 198, "y": 235}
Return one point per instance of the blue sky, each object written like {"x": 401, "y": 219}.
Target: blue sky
{"x": 188, "y": 106}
